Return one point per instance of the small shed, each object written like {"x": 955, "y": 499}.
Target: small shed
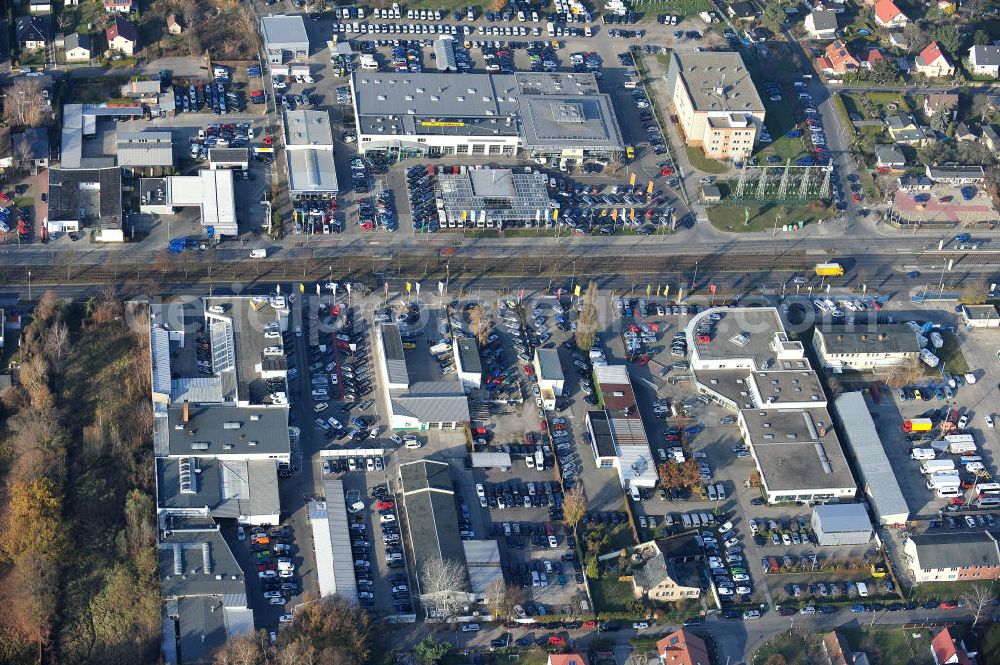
{"x": 548, "y": 369}
{"x": 842, "y": 524}
{"x": 980, "y": 316}
{"x": 491, "y": 460}
{"x": 711, "y": 194}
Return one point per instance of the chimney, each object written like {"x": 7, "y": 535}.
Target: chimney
{"x": 186, "y": 413}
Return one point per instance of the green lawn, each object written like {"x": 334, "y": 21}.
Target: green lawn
{"x": 951, "y": 356}
{"x": 880, "y": 101}
{"x": 533, "y": 656}
{"x": 789, "y": 646}
{"x": 892, "y": 646}
{"x": 610, "y": 595}
{"x": 763, "y": 218}
{"x": 779, "y": 122}
{"x": 680, "y": 7}
{"x": 704, "y": 164}
{"x": 941, "y": 590}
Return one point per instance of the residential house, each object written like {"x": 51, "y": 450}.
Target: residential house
{"x": 889, "y": 156}
{"x": 937, "y": 101}
{"x": 947, "y": 557}
{"x": 33, "y": 143}
{"x": 947, "y": 6}
{"x": 682, "y": 647}
{"x": 839, "y": 651}
{"x": 78, "y": 47}
{"x": 32, "y": 32}
{"x": 40, "y": 7}
{"x": 969, "y": 174}
{"x": 120, "y": 6}
{"x": 837, "y": 59}
{"x": 946, "y": 650}
{"x": 888, "y": 15}
{"x": 566, "y": 659}
{"x": 991, "y": 138}
{"x": 669, "y": 570}
{"x": 743, "y": 11}
{"x": 869, "y": 59}
{"x": 903, "y": 129}
{"x": 837, "y": 6}
{"x": 932, "y": 63}
{"x": 123, "y": 36}
{"x": 898, "y": 40}
{"x": 985, "y": 60}
{"x": 963, "y": 133}
{"x": 173, "y": 27}
{"x": 821, "y": 24}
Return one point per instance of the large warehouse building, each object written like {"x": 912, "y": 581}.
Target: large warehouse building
{"x": 560, "y": 115}
{"x": 751, "y": 367}
{"x": 493, "y": 198}
{"x": 878, "y": 478}
{"x": 211, "y": 191}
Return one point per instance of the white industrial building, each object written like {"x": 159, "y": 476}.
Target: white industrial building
{"x": 468, "y": 363}
{"x": 618, "y": 437}
{"x": 842, "y": 524}
{"x": 285, "y": 38}
{"x": 878, "y": 477}
{"x": 548, "y": 369}
{"x": 422, "y": 402}
{"x": 211, "y": 191}
{"x": 309, "y": 155}
{"x": 864, "y": 347}
{"x": 332, "y": 541}
{"x": 560, "y": 115}
{"x": 751, "y": 367}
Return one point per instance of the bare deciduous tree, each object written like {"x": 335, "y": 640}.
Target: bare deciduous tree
{"x": 442, "y": 582}
{"x": 903, "y": 374}
{"x": 22, "y": 105}
{"x": 979, "y": 599}
{"x": 480, "y": 324}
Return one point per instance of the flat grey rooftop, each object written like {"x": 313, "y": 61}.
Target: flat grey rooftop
{"x": 303, "y": 127}
{"x": 247, "y": 327}
{"x": 564, "y": 120}
{"x": 222, "y": 576}
{"x": 283, "y": 29}
{"x": 218, "y": 430}
{"x": 756, "y": 325}
{"x": 717, "y": 81}
{"x": 797, "y": 386}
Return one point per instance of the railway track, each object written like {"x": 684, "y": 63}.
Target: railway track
{"x": 192, "y": 267}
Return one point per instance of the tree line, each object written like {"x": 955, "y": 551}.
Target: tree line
{"x": 78, "y": 562}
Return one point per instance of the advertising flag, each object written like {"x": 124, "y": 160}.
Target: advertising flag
{"x": 409, "y": 287}
{"x": 648, "y": 290}
{"x": 631, "y": 180}
{"x": 576, "y": 291}
{"x": 649, "y": 187}
{"x": 666, "y": 290}
{"x": 711, "y": 287}
{"x": 348, "y": 287}
{"x": 417, "y": 285}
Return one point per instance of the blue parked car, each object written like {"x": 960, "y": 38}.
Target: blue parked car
{"x": 794, "y": 134}
{"x": 968, "y": 193}
{"x": 913, "y": 274}
{"x": 858, "y": 608}
{"x": 804, "y": 161}
{"x": 694, "y": 429}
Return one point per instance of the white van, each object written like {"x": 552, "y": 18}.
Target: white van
{"x": 411, "y": 443}
{"x": 922, "y": 453}
{"x": 862, "y": 589}
{"x": 634, "y": 493}
{"x": 258, "y": 253}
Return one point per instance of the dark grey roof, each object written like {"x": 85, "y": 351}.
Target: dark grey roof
{"x": 219, "y": 155}
{"x": 843, "y": 517}
{"x": 956, "y": 549}
{"x": 219, "y": 430}
{"x": 144, "y": 149}
{"x": 78, "y": 40}
{"x": 987, "y": 55}
{"x": 886, "y": 338}
{"x": 425, "y": 474}
{"x": 184, "y": 548}
{"x": 392, "y": 352}
{"x": 202, "y": 625}
{"x": 676, "y": 558}
{"x": 430, "y": 408}
{"x": 66, "y": 200}
{"x": 824, "y": 19}
{"x": 964, "y": 172}
{"x": 704, "y": 73}
{"x": 742, "y": 9}
{"x": 228, "y": 488}
{"x": 549, "y": 365}
{"x": 889, "y": 153}
{"x": 979, "y": 312}
{"x": 468, "y": 355}
{"x": 432, "y": 520}
{"x": 37, "y": 139}
{"x": 604, "y": 440}
{"x": 32, "y": 28}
